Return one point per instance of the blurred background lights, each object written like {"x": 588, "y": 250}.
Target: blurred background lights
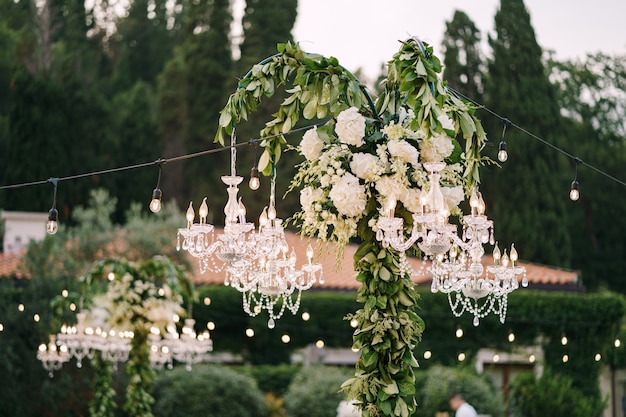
{"x": 319, "y": 344}
{"x": 249, "y": 332}
{"x": 285, "y": 338}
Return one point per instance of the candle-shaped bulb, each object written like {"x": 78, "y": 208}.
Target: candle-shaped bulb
{"x": 496, "y": 254}
{"x": 263, "y": 218}
{"x": 190, "y": 215}
{"x": 242, "y": 211}
{"x": 203, "y": 211}
{"x": 309, "y": 253}
{"x": 271, "y": 212}
{"x": 481, "y": 204}
{"x": 391, "y": 205}
{"x": 505, "y": 259}
{"x": 513, "y": 255}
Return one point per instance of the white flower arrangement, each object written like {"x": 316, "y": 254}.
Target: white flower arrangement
{"x": 354, "y": 168}
{"x": 129, "y": 300}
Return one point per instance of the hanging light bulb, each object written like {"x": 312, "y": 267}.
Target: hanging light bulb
{"x": 157, "y": 194}
{"x": 155, "y": 203}
{"x": 502, "y": 153}
{"x": 52, "y": 225}
{"x": 574, "y": 194}
{"x": 255, "y": 181}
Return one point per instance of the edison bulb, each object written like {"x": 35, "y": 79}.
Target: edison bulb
{"x": 155, "y": 203}
{"x": 52, "y": 227}
{"x": 503, "y": 155}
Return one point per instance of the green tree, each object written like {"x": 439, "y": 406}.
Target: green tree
{"x": 143, "y": 43}
{"x": 463, "y": 63}
{"x": 260, "y": 41}
{"x": 55, "y": 129}
{"x": 591, "y": 95}
{"x": 208, "y": 65}
{"x": 171, "y": 119}
{"x": 528, "y": 197}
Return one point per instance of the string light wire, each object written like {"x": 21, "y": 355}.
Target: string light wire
{"x": 254, "y": 142}
{"x": 532, "y": 135}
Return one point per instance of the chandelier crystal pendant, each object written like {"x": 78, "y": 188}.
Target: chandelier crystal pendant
{"x": 456, "y": 261}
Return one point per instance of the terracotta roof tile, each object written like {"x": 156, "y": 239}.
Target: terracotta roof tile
{"x": 344, "y": 277}
{"x": 11, "y": 264}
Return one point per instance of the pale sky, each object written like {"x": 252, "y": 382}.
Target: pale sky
{"x": 365, "y": 33}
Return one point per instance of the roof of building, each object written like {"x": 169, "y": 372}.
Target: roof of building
{"x": 340, "y": 275}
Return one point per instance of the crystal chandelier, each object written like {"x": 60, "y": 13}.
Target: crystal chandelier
{"x": 456, "y": 261}
{"x": 82, "y": 341}
{"x": 268, "y": 277}
{"x": 256, "y": 263}
{"x": 52, "y": 355}
{"x": 230, "y": 246}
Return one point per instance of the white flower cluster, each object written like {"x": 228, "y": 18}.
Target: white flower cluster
{"x": 342, "y": 178}
{"x": 129, "y": 300}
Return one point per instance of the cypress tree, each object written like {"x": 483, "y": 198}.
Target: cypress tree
{"x": 528, "y": 197}
{"x": 463, "y": 64}
{"x": 260, "y": 40}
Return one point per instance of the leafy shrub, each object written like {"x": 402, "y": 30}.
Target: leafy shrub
{"x": 440, "y": 382}
{"x": 207, "y": 391}
{"x": 314, "y": 392}
{"x": 551, "y": 395}
{"x": 271, "y": 378}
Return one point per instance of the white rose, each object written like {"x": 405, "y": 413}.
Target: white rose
{"x": 444, "y": 145}
{"x": 311, "y": 145}
{"x": 411, "y": 200}
{"x": 309, "y": 196}
{"x": 436, "y": 148}
{"x": 404, "y": 151}
{"x": 452, "y": 196}
{"x": 350, "y": 127}
{"x": 365, "y": 166}
{"x": 348, "y": 196}
{"x": 387, "y": 186}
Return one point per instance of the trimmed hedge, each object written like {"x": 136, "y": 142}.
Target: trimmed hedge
{"x": 207, "y": 391}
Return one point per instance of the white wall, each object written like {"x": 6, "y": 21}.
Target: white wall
{"x": 21, "y": 227}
